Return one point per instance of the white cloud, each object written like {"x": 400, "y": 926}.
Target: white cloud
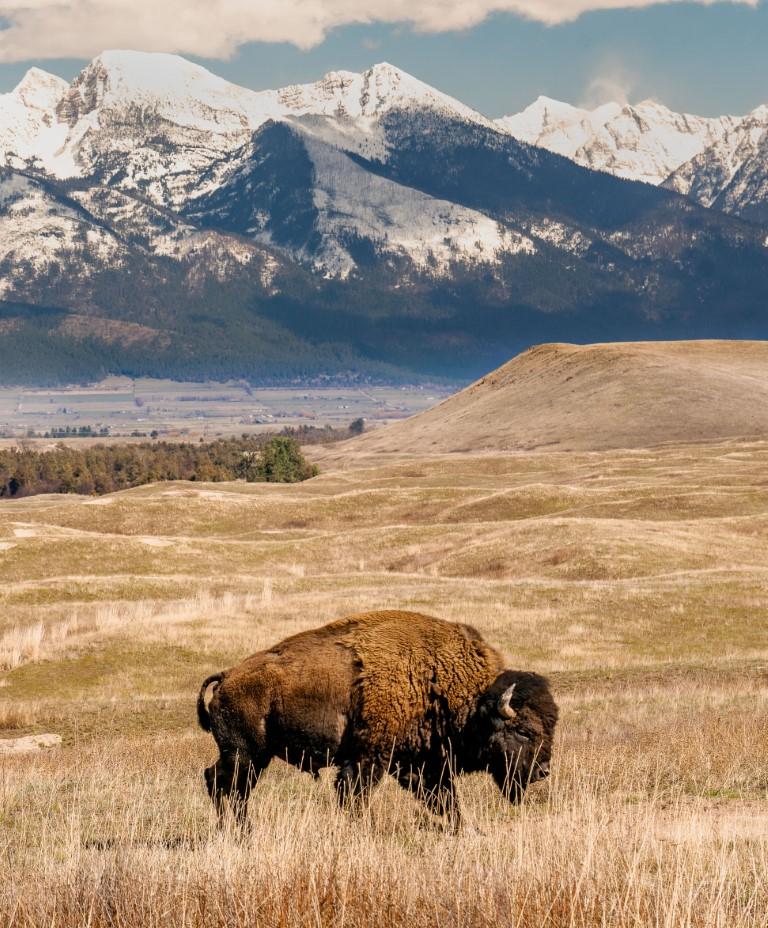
{"x": 216, "y": 28}
{"x": 612, "y": 83}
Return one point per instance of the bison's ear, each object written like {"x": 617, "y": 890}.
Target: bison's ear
{"x": 504, "y": 705}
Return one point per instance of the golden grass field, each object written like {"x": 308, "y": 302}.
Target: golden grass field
{"x": 636, "y": 580}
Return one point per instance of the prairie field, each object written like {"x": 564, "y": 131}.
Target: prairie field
{"x": 636, "y": 581}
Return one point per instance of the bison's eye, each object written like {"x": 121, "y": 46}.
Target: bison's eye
{"x": 522, "y": 734}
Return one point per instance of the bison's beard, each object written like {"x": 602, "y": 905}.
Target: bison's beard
{"x": 512, "y": 779}
{"x": 514, "y": 773}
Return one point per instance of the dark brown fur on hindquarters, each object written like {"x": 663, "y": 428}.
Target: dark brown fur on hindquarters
{"x": 377, "y": 693}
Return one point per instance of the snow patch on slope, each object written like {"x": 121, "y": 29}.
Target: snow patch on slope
{"x": 135, "y": 220}
{"x": 562, "y": 236}
{"x": 356, "y": 204}
{"x": 38, "y": 231}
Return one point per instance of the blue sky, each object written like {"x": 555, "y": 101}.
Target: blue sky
{"x": 693, "y": 57}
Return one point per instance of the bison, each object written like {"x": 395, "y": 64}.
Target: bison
{"x": 379, "y": 693}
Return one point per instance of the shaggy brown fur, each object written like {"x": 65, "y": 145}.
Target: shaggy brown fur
{"x": 381, "y": 692}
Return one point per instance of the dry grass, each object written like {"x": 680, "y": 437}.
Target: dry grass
{"x": 637, "y": 581}
{"x": 633, "y": 830}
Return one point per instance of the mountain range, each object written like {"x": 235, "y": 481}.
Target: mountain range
{"x": 720, "y": 162}
{"x": 156, "y": 219}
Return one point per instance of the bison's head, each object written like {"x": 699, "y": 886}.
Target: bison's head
{"x": 513, "y": 730}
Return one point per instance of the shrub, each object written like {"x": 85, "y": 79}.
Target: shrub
{"x": 281, "y": 461}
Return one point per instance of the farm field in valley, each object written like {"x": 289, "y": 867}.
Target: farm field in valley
{"x": 636, "y": 580}
{"x": 186, "y": 411}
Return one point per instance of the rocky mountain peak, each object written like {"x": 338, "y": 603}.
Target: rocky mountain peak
{"x": 643, "y": 141}
{"x": 169, "y": 85}
{"x": 85, "y": 93}
{"x": 378, "y": 90}
{"x": 40, "y": 90}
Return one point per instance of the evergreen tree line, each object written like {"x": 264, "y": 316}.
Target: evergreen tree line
{"x": 106, "y": 468}
{"x": 325, "y": 434}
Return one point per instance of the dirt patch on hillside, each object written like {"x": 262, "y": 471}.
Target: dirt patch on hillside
{"x": 29, "y": 744}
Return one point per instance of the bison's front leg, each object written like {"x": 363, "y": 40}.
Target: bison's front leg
{"x": 229, "y": 782}
{"x": 437, "y": 791}
{"x": 354, "y": 782}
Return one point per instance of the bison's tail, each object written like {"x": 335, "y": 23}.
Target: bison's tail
{"x": 203, "y": 715}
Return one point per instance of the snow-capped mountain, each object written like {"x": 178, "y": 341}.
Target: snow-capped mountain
{"x": 362, "y": 220}
{"x": 557, "y": 126}
{"x": 166, "y": 129}
{"x": 645, "y": 142}
{"x": 732, "y": 173}
{"x": 720, "y": 162}
{"x": 160, "y": 120}
{"x": 376, "y": 91}
{"x": 155, "y": 124}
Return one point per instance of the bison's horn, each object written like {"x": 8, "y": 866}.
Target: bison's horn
{"x": 505, "y": 709}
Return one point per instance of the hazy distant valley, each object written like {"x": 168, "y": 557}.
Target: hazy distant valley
{"x": 120, "y": 409}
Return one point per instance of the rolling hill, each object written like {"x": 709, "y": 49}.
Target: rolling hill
{"x": 563, "y": 397}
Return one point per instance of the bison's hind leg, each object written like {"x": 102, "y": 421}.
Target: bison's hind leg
{"x": 230, "y": 781}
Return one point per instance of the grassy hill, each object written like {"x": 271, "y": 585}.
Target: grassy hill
{"x": 594, "y": 397}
